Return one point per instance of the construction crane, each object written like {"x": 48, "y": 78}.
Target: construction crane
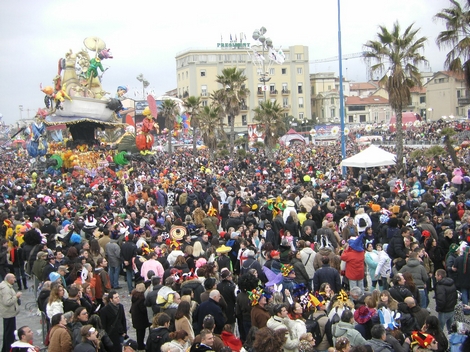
{"x": 346, "y": 57}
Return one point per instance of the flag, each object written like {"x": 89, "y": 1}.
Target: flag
{"x": 235, "y": 37}
{"x": 221, "y": 39}
{"x": 257, "y": 56}
{"x": 230, "y": 36}
{"x": 281, "y": 56}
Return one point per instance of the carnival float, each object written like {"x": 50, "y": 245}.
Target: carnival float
{"x": 77, "y": 103}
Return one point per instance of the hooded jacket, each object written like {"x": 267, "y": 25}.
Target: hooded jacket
{"x": 379, "y": 345}
{"x": 417, "y": 271}
{"x": 347, "y": 330}
{"x": 308, "y": 256}
{"x": 354, "y": 264}
{"x": 322, "y": 252}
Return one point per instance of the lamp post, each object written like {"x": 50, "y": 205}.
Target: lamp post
{"x": 144, "y": 82}
{"x": 266, "y": 44}
{"x": 21, "y": 112}
{"x": 341, "y": 93}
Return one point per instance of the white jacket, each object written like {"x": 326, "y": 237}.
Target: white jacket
{"x": 54, "y": 308}
{"x": 384, "y": 264}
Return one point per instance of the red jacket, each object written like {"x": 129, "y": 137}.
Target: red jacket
{"x": 354, "y": 264}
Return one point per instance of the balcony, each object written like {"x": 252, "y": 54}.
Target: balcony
{"x": 286, "y": 106}
{"x": 260, "y": 92}
{"x": 464, "y": 101}
{"x": 285, "y": 91}
{"x": 273, "y": 92}
{"x": 204, "y": 94}
{"x": 243, "y": 107}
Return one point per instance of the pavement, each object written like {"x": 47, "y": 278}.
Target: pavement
{"x": 29, "y": 314}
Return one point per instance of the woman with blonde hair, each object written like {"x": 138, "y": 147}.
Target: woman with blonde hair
{"x": 197, "y": 250}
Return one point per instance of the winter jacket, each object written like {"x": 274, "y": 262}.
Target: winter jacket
{"x": 347, "y": 330}
{"x": 9, "y": 307}
{"x": 301, "y": 276}
{"x": 140, "y": 319}
{"x": 259, "y": 316}
{"x": 210, "y": 307}
{"x": 327, "y": 274}
{"x": 307, "y": 256}
{"x": 86, "y": 346}
{"x": 54, "y": 308}
{"x": 372, "y": 260}
{"x": 60, "y": 339}
{"x": 227, "y": 290}
{"x": 354, "y": 264}
{"x": 323, "y": 252}
{"x": 396, "y": 247}
{"x": 399, "y": 293}
{"x": 157, "y": 338}
{"x": 278, "y": 323}
{"x": 446, "y": 295}
{"x": 196, "y": 286}
{"x": 243, "y": 307}
{"x": 417, "y": 271}
{"x": 184, "y": 324}
{"x": 383, "y": 264}
{"x": 463, "y": 272}
{"x": 113, "y": 254}
{"x": 76, "y": 332}
{"x": 128, "y": 251}
{"x": 379, "y": 345}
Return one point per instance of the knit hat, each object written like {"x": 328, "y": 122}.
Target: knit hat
{"x": 363, "y": 314}
{"x": 140, "y": 287}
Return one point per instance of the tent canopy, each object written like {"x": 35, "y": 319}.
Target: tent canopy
{"x": 370, "y": 157}
{"x": 291, "y": 135}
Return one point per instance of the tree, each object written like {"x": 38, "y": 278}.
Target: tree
{"x": 456, "y": 36}
{"x": 217, "y": 99}
{"x": 233, "y": 92}
{"x": 397, "y": 54}
{"x": 169, "y": 109}
{"x": 208, "y": 125}
{"x": 193, "y": 108}
{"x": 270, "y": 117}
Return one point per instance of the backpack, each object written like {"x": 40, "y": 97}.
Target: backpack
{"x": 329, "y": 333}
{"x": 362, "y": 222}
{"x": 313, "y": 327}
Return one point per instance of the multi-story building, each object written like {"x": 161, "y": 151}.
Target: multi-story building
{"x": 288, "y": 83}
{"x": 368, "y": 110}
{"x": 446, "y": 95}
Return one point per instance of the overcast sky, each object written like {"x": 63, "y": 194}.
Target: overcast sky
{"x": 145, "y": 36}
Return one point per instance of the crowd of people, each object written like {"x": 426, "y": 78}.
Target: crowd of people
{"x": 239, "y": 254}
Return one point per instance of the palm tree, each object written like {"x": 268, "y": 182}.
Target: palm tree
{"x": 217, "y": 100}
{"x": 209, "y": 126}
{"x": 233, "y": 92}
{"x": 193, "y": 107}
{"x": 169, "y": 109}
{"x": 270, "y": 116}
{"x": 456, "y": 37}
{"x": 397, "y": 54}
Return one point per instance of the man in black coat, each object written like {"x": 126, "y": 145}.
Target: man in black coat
{"x": 151, "y": 299}
{"x": 49, "y": 268}
{"x": 211, "y": 307}
{"x": 72, "y": 303}
{"x": 227, "y": 289}
{"x": 114, "y": 322}
{"x": 128, "y": 253}
{"x": 396, "y": 247}
{"x": 446, "y": 299}
{"x": 327, "y": 274}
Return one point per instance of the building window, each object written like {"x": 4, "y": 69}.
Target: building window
{"x": 301, "y": 116}
{"x": 284, "y": 71}
{"x": 332, "y": 101}
{"x": 271, "y": 71}
{"x": 351, "y": 118}
{"x": 299, "y": 88}
{"x": 313, "y": 89}
{"x": 187, "y": 74}
{"x": 285, "y": 102}
{"x": 333, "y": 112}
{"x": 299, "y": 70}
{"x": 259, "y": 71}
{"x": 286, "y": 115}
{"x": 362, "y": 118}
{"x": 178, "y": 76}
{"x": 272, "y": 88}
{"x": 284, "y": 87}
{"x": 329, "y": 87}
{"x": 298, "y": 56}
{"x": 244, "y": 120}
{"x": 204, "y": 103}
{"x": 272, "y": 100}
{"x": 203, "y": 73}
{"x": 422, "y": 100}
{"x": 356, "y": 108}
{"x": 301, "y": 102}
{"x": 204, "y": 91}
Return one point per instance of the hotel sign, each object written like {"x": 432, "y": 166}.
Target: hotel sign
{"x": 233, "y": 45}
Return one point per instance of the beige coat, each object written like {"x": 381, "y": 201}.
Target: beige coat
{"x": 60, "y": 339}
{"x": 9, "y": 307}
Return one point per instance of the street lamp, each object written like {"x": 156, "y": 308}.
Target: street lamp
{"x": 144, "y": 82}
{"x": 21, "y": 112}
{"x": 266, "y": 44}
{"x": 341, "y": 93}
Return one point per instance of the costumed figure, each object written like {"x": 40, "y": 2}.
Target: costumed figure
{"x": 37, "y": 145}
{"x": 145, "y": 140}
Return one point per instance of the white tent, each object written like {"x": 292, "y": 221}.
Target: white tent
{"x": 290, "y": 136}
{"x": 370, "y": 157}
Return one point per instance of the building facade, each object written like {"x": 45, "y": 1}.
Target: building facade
{"x": 289, "y": 83}
{"x": 446, "y": 95}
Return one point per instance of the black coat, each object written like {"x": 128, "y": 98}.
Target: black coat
{"x": 114, "y": 324}
{"x": 140, "y": 319}
{"x": 151, "y": 299}
{"x": 446, "y": 295}
{"x": 400, "y": 292}
{"x": 396, "y": 247}
{"x": 327, "y": 274}
{"x": 86, "y": 346}
{"x": 210, "y": 307}
{"x": 227, "y": 290}
{"x": 157, "y": 338}
{"x": 128, "y": 251}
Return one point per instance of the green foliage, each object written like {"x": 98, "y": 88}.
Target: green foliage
{"x": 241, "y": 152}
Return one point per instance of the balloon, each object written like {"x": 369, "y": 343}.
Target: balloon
{"x": 34, "y": 175}
{"x": 307, "y": 178}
